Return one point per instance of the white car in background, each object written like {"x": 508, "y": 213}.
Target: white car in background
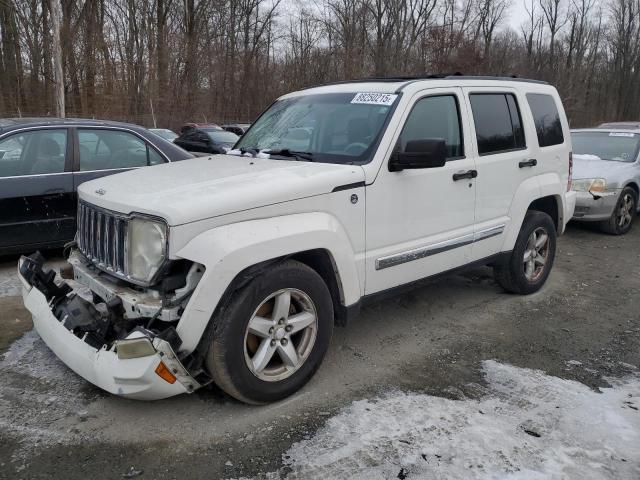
{"x": 606, "y": 176}
{"x": 234, "y": 268}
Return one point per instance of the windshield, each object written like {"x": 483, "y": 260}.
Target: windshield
{"x": 222, "y": 136}
{"x": 333, "y": 128}
{"x": 615, "y": 146}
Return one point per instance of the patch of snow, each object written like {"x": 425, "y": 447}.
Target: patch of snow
{"x": 10, "y": 286}
{"x": 528, "y": 426}
{"x": 40, "y": 396}
{"x": 585, "y": 156}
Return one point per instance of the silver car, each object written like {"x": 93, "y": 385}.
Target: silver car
{"x": 606, "y": 175}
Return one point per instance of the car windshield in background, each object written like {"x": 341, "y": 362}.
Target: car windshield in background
{"x": 332, "y": 128}
{"x": 222, "y": 136}
{"x": 615, "y": 146}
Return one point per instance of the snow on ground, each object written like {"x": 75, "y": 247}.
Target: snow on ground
{"x": 41, "y": 399}
{"x": 10, "y": 286}
{"x": 528, "y": 426}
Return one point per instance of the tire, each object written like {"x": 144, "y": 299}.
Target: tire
{"x": 235, "y": 353}
{"x": 623, "y": 214}
{"x": 522, "y": 276}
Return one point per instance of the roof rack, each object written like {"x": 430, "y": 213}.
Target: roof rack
{"x": 431, "y": 76}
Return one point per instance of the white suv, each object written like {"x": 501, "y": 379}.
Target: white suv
{"x": 234, "y": 268}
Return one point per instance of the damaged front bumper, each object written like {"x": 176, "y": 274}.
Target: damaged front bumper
{"x": 146, "y": 368}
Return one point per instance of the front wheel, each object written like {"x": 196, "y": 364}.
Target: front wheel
{"x": 622, "y": 217}
{"x": 532, "y": 257}
{"x": 272, "y": 336}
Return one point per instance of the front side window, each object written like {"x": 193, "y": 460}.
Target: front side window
{"x": 36, "y": 152}
{"x": 614, "y": 146}
{"x": 498, "y": 122}
{"x": 435, "y": 118}
{"x": 333, "y": 127}
{"x": 108, "y": 149}
{"x": 546, "y": 118}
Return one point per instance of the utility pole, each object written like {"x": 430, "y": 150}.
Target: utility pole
{"x": 58, "y": 91}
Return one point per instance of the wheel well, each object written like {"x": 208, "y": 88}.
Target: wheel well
{"x": 548, "y": 205}
{"x": 322, "y": 262}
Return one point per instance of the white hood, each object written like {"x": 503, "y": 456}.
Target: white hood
{"x": 192, "y": 190}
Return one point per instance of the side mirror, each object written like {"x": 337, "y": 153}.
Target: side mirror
{"x": 426, "y": 153}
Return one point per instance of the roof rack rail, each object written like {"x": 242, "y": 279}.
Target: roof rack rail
{"x": 430, "y": 76}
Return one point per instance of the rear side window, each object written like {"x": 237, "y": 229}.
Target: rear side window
{"x": 498, "y": 123}
{"x": 110, "y": 149}
{"x": 435, "y": 117}
{"x": 37, "y": 152}
{"x": 547, "y": 119}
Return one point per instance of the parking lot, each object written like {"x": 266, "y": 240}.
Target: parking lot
{"x": 583, "y": 325}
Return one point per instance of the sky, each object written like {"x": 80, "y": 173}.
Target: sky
{"x": 517, "y": 14}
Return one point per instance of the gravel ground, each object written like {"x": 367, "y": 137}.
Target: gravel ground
{"x": 433, "y": 341}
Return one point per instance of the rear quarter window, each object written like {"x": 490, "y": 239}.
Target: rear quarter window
{"x": 546, "y": 118}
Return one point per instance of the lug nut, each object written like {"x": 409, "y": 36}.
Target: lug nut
{"x": 283, "y": 342}
{"x": 271, "y": 331}
{"x": 273, "y": 343}
{"x": 281, "y": 321}
{"x": 288, "y": 328}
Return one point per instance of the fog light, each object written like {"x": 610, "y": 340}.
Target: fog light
{"x": 163, "y": 372}
{"x": 134, "y": 348}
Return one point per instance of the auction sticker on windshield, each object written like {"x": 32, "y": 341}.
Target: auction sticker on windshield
{"x": 621, "y": 134}
{"x": 374, "y": 98}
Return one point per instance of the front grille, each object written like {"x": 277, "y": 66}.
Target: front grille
{"x": 102, "y": 238}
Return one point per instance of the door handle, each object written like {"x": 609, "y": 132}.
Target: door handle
{"x": 532, "y": 162}
{"x": 463, "y": 175}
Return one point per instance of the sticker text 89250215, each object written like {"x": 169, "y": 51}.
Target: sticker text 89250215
{"x": 374, "y": 98}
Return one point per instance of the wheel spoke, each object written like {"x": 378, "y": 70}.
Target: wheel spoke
{"x": 281, "y": 306}
{"x": 530, "y": 267}
{"x": 527, "y": 255}
{"x": 300, "y": 321}
{"x": 263, "y": 355}
{"x": 288, "y": 354}
{"x": 260, "y": 326}
{"x": 541, "y": 240}
{"x": 540, "y": 260}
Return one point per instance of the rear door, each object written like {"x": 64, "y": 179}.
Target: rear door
{"x": 36, "y": 189}
{"x": 106, "y": 151}
{"x": 503, "y": 158}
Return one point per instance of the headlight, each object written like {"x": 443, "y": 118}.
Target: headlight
{"x": 147, "y": 248}
{"x": 593, "y": 185}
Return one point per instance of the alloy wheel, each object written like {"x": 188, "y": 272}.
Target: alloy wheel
{"x": 280, "y": 335}
{"x": 624, "y": 215}
{"x": 536, "y": 254}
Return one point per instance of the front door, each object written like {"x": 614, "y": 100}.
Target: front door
{"x": 420, "y": 222}
{"x": 37, "y": 205}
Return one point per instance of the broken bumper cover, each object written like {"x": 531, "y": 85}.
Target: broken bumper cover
{"x": 132, "y": 377}
{"x": 594, "y": 207}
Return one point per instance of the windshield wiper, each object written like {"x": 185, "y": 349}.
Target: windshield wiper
{"x": 285, "y": 152}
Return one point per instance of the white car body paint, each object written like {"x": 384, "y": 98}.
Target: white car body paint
{"x": 383, "y": 229}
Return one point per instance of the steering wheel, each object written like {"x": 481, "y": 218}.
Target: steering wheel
{"x": 355, "y": 148}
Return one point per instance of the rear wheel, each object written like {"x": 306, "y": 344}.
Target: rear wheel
{"x": 272, "y": 336}
{"x": 532, "y": 257}
{"x": 623, "y": 214}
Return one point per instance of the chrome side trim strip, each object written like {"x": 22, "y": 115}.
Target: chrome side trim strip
{"x": 433, "y": 249}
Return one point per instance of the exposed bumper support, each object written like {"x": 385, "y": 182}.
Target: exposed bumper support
{"x": 132, "y": 377}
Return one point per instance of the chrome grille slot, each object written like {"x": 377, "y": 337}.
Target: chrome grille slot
{"x": 102, "y": 235}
